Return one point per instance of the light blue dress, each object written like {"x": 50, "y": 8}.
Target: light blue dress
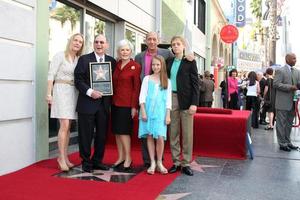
{"x": 156, "y": 107}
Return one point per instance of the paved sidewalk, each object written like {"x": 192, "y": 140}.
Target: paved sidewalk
{"x": 273, "y": 174}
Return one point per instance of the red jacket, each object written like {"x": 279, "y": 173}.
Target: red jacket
{"x": 127, "y": 84}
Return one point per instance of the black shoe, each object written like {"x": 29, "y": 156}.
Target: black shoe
{"x": 285, "y": 148}
{"x": 267, "y": 128}
{"x": 87, "y": 168}
{"x": 118, "y": 164}
{"x": 127, "y": 169}
{"x": 100, "y": 167}
{"x": 187, "y": 171}
{"x": 174, "y": 169}
{"x": 293, "y": 147}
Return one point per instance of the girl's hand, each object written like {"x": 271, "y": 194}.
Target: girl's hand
{"x": 144, "y": 116}
{"x": 192, "y": 109}
{"x": 168, "y": 119}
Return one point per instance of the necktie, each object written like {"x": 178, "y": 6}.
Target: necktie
{"x": 292, "y": 75}
{"x": 101, "y": 59}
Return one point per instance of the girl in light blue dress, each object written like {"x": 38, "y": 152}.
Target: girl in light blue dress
{"x": 155, "y": 102}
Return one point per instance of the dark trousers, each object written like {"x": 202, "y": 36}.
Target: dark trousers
{"x": 145, "y": 153}
{"x": 224, "y": 100}
{"x": 233, "y": 103}
{"x": 92, "y": 126}
{"x": 252, "y": 104}
{"x": 262, "y": 114}
{"x": 208, "y": 104}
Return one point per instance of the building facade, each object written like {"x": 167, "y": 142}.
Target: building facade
{"x": 35, "y": 30}
{"x": 219, "y": 53}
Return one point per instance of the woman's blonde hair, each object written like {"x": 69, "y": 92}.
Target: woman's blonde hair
{"x": 68, "y": 46}
{"x": 163, "y": 71}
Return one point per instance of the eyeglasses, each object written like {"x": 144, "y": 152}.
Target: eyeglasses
{"x": 99, "y": 42}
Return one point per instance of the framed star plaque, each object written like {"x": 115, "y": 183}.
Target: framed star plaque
{"x": 101, "y": 77}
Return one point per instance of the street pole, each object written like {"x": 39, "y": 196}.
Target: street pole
{"x": 272, "y": 31}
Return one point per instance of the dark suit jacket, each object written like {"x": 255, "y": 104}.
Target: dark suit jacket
{"x": 86, "y": 104}
{"x": 187, "y": 83}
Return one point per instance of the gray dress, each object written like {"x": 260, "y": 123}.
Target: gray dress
{"x": 64, "y": 92}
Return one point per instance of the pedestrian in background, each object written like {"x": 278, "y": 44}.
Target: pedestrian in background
{"x": 232, "y": 83}
{"x": 286, "y": 82}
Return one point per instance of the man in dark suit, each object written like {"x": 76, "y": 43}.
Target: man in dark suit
{"x": 93, "y": 108}
{"x": 286, "y": 82}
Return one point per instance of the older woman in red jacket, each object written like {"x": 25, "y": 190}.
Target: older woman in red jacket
{"x": 126, "y": 85}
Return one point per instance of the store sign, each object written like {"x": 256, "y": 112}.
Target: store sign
{"x": 248, "y": 61}
{"x": 249, "y": 56}
{"x": 229, "y": 33}
{"x": 240, "y": 11}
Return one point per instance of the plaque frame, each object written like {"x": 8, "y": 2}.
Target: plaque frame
{"x": 101, "y": 77}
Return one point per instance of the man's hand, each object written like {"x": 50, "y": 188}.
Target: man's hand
{"x": 192, "y": 109}
{"x": 190, "y": 57}
{"x": 294, "y": 88}
{"x": 96, "y": 94}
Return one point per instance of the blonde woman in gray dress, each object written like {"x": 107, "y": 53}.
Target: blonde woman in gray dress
{"x": 62, "y": 95}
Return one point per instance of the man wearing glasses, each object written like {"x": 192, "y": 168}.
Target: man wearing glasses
{"x": 93, "y": 108}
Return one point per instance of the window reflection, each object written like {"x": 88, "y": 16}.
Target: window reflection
{"x": 95, "y": 26}
{"x": 136, "y": 38}
{"x": 64, "y": 21}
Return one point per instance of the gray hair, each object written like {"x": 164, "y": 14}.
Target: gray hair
{"x": 123, "y": 43}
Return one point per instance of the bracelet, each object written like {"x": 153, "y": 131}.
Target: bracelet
{"x": 49, "y": 95}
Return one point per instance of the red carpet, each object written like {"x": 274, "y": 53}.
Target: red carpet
{"x": 36, "y": 182}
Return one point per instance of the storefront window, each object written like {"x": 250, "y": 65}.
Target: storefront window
{"x": 64, "y": 21}
{"x": 95, "y": 26}
{"x": 136, "y": 38}
{"x": 200, "y": 64}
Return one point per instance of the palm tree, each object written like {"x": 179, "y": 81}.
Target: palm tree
{"x": 99, "y": 27}
{"x": 66, "y": 13}
{"x": 256, "y": 10}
